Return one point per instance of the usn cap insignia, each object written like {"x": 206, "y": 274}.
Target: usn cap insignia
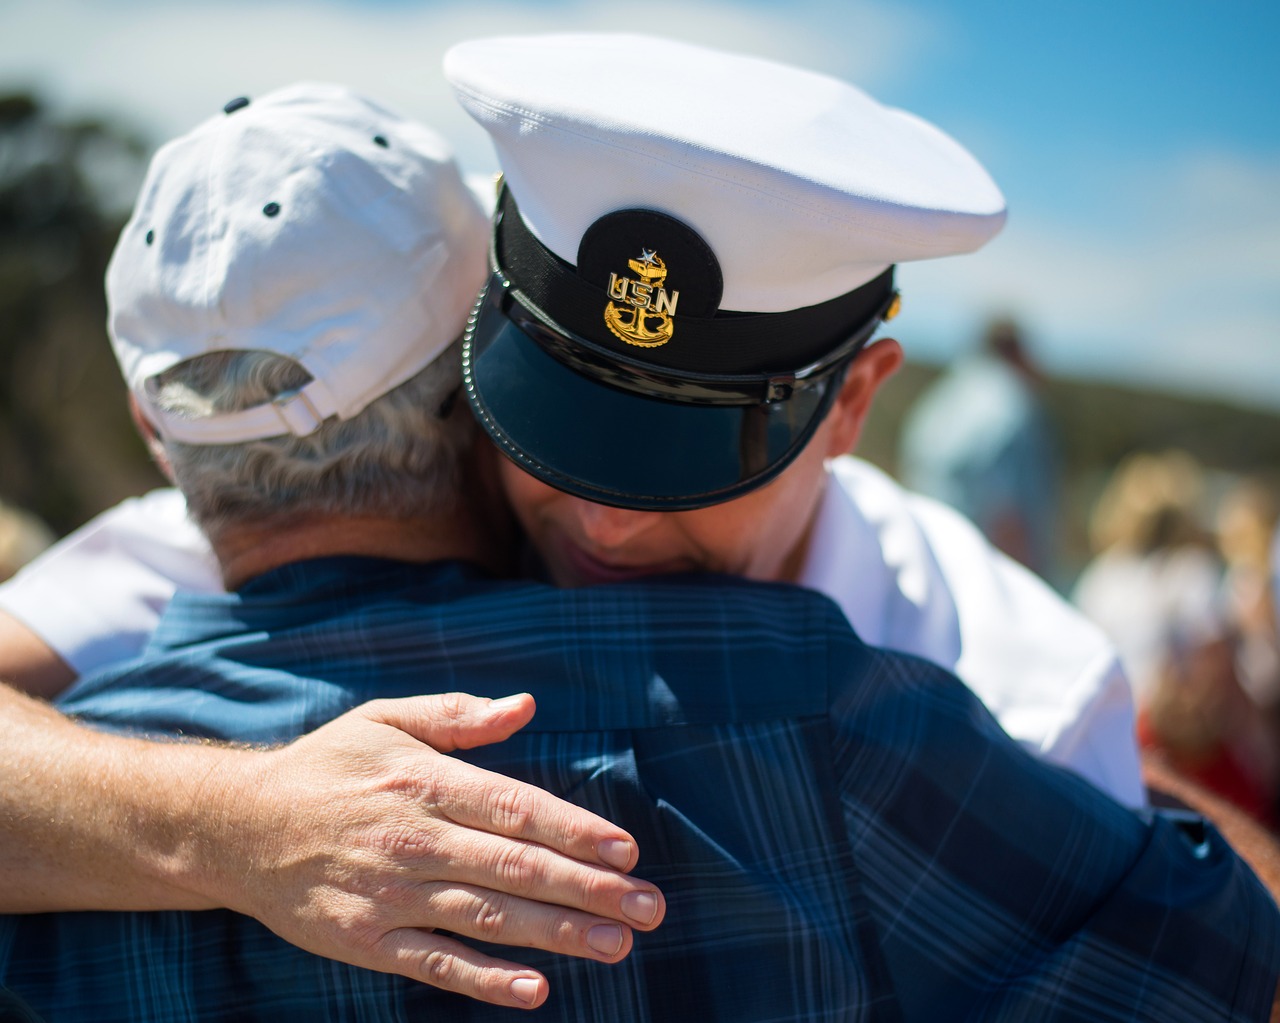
{"x": 628, "y": 255}
{"x": 644, "y": 317}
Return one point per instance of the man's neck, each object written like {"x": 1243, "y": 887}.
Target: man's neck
{"x": 245, "y": 551}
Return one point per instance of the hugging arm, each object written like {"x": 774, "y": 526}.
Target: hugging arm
{"x": 357, "y": 841}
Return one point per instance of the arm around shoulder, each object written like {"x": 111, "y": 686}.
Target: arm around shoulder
{"x": 356, "y": 842}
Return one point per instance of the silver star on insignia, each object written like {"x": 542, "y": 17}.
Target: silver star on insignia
{"x": 647, "y": 256}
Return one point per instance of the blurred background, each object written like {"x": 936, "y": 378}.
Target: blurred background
{"x": 1099, "y": 387}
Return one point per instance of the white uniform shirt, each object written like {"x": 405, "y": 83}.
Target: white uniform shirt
{"x": 909, "y": 573}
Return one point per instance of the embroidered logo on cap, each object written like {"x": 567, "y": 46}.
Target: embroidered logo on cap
{"x": 645, "y": 317}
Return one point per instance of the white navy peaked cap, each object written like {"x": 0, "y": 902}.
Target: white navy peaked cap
{"x": 689, "y": 248}
{"x": 803, "y": 186}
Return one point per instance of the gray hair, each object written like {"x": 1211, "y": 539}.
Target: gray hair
{"x": 401, "y": 456}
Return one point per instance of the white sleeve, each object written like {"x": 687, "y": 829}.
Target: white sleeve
{"x": 915, "y": 576}
{"x": 1048, "y": 674}
{"x": 95, "y": 596}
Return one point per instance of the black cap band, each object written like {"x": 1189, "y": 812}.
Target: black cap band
{"x": 785, "y": 344}
{"x": 653, "y": 381}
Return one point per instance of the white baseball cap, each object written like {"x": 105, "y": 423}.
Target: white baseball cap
{"x": 691, "y": 247}
{"x": 310, "y": 223}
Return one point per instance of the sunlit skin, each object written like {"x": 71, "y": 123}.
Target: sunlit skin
{"x": 762, "y": 535}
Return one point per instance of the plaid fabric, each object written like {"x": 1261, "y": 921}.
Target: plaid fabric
{"x": 841, "y": 833}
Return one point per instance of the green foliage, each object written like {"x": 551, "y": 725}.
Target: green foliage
{"x": 67, "y": 447}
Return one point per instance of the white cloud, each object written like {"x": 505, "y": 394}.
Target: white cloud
{"x": 168, "y": 65}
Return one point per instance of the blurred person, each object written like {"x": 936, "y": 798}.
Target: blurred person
{"x": 817, "y": 755}
{"x": 981, "y": 440}
{"x": 1155, "y": 586}
{"x": 1201, "y": 722}
{"x": 1246, "y": 521}
{"x": 1155, "y": 576}
{"x": 1275, "y": 577}
{"x": 22, "y": 537}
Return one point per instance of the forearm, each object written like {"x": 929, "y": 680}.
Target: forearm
{"x": 90, "y": 820}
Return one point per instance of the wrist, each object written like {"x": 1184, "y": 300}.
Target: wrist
{"x": 217, "y": 827}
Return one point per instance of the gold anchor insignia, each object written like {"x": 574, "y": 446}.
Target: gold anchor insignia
{"x": 645, "y": 319}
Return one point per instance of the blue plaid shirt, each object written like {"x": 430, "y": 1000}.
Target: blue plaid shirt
{"x": 841, "y": 833}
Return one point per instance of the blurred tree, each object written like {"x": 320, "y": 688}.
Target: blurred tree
{"x": 67, "y": 447}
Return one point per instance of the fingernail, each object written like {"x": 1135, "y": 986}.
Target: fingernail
{"x": 524, "y": 990}
{"x": 508, "y": 703}
{"x": 605, "y": 939}
{"x": 615, "y": 852}
{"x": 642, "y": 907}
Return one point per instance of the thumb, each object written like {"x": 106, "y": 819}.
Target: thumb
{"x": 450, "y": 721}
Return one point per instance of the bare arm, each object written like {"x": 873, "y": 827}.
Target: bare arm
{"x": 353, "y": 842}
{"x": 28, "y": 663}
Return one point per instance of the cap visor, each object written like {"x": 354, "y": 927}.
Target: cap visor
{"x": 615, "y": 447}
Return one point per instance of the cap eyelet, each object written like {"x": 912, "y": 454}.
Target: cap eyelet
{"x": 381, "y": 140}
{"x": 151, "y": 237}
{"x": 271, "y": 209}
{"x": 239, "y": 103}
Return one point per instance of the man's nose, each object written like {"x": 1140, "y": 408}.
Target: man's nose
{"x": 612, "y": 527}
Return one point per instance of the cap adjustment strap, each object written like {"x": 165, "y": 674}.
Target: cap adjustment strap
{"x": 297, "y": 413}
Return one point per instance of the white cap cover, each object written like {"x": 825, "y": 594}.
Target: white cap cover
{"x": 310, "y": 223}
{"x": 803, "y": 186}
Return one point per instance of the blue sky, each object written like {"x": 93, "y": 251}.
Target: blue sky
{"x": 1138, "y": 143}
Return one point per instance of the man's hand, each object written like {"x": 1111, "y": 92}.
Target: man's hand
{"x": 362, "y": 837}
{"x": 356, "y": 842}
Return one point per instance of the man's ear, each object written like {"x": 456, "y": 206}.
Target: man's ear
{"x": 151, "y": 438}
{"x": 870, "y": 368}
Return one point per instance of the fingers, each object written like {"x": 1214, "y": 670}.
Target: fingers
{"x": 444, "y": 963}
{"x": 472, "y": 912}
{"x": 529, "y": 871}
{"x": 450, "y": 721}
{"x": 492, "y": 803}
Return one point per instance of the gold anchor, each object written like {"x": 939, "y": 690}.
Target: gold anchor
{"x": 647, "y": 302}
